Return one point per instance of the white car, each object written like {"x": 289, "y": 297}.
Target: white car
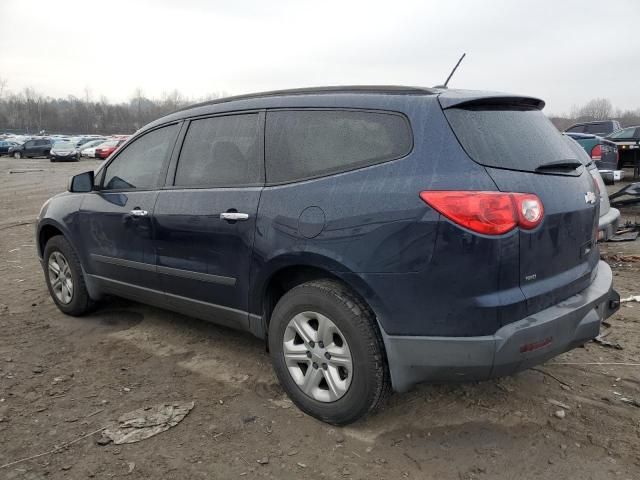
{"x": 89, "y": 148}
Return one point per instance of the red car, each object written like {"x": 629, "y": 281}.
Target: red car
{"x": 107, "y": 148}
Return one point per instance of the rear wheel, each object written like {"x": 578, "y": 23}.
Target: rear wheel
{"x": 64, "y": 277}
{"x": 327, "y": 352}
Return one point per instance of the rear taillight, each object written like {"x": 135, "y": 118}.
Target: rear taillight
{"x": 489, "y": 213}
{"x": 596, "y": 152}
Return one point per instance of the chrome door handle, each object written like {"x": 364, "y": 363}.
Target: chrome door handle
{"x": 137, "y": 212}
{"x": 234, "y": 216}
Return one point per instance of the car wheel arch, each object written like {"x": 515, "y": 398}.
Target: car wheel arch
{"x": 285, "y": 277}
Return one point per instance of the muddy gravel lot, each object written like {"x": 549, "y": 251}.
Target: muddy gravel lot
{"x": 62, "y": 378}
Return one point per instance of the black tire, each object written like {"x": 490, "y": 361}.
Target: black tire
{"x": 370, "y": 384}
{"x": 80, "y": 303}
{"x": 17, "y": 155}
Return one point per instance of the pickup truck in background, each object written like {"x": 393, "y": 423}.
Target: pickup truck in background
{"x": 628, "y": 142}
{"x": 602, "y": 151}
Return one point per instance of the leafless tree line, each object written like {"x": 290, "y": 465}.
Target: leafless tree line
{"x": 30, "y": 112}
{"x": 597, "y": 109}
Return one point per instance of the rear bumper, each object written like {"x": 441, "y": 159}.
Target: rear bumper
{"x": 608, "y": 224}
{"x": 514, "y": 347}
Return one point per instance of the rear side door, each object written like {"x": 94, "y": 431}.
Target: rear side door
{"x": 117, "y": 219}
{"x": 205, "y": 218}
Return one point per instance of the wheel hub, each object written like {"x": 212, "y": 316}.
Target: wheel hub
{"x": 60, "y": 277}
{"x": 318, "y": 357}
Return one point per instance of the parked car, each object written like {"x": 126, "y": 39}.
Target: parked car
{"x": 375, "y": 237}
{"x": 89, "y": 148}
{"x": 108, "y": 147}
{"x": 38, "y": 147}
{"x": 64, "y": 151}
{"x": 628, "y": 142}
{"x": 602, "y": 151}
{"x": 600, "y": 127}
{"x": 609, "y": 218}
{"x": 81, "y": 142}
{"x": 5, "y": 145}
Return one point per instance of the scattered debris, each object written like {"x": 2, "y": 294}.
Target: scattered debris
{"x": 632, "y": 190}
{"x": 132, "y": 466}
{"x": 559, "y": 414}
{"x": 54, "y": 450}
{"x": 558, "y": 404}
{"x": 605, "y": 343}
{"x": 632, "y": 298}
{"x": 624, "y": 237}
{"x": 37, "y": 369}
{"x": 617, "y": 257}
{"x": 263, "y": 461}
{"x": 550, "y": 375}
{"x": 248, "y": 419}
{"x": 146, "y": 422}
{"x": 631, "y": 401}
{"x": 301, "y": 465}
{"x": 26, "y": 170}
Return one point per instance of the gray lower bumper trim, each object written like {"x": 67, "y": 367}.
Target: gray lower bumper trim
{"x": 608, "y": 223}
{"x": 516, "y": 346}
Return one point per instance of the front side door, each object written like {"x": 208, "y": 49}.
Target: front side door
{"x": 205, "y": 220}
{"x": 117, "y": 219}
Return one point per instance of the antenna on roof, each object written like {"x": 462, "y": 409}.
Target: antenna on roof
{"x": 452, "y": 72}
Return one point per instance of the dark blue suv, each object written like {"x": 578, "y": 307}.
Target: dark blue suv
{"x": 375, "y": 237}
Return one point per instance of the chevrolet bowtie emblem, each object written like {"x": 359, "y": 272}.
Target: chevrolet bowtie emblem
{"x": 590, "y": 197}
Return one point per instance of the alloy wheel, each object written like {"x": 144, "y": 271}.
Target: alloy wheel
{"x": 317, "y": 356}
{"x": 60, "y": 277}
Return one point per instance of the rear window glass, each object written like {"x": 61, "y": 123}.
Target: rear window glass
{"x": 309, "y": 143}
{"x": 597, "y": 128}
{"x": 516, "y": 139}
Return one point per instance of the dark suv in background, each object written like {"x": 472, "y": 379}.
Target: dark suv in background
{"x": 375, "y": 237}
{"x": 39, "y": 147}
{"x": 599, "y": 127}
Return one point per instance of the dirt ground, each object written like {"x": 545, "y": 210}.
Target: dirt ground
{"x": 62, "y": 378}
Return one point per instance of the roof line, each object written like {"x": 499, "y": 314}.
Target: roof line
{"x": 388, "y": 89}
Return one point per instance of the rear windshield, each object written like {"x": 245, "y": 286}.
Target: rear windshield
{"x": 597, "y": 128}
{"x": 512, "y": 138}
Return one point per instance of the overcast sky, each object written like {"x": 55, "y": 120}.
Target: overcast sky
{"x": 566, "y": 52}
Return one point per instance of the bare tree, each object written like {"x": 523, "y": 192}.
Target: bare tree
{"x": 596, "y": 109}
{"x": 3, "y": 86}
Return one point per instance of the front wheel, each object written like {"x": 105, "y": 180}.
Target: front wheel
{"x": 17, "y": 155}
{"x": 327, "y": 352}
{"x": 64, "y": 277}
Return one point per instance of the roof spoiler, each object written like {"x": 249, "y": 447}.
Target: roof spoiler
{"x": 487, "y": 100}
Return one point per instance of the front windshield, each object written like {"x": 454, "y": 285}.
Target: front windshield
{"x": 64, "y": 144}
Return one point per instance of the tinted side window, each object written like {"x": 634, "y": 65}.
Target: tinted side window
{"x": 221, "y": 152}
{"x": 309, "y": 143}
{"x": 626, "y": 133}
{"x": 576, "y": 129}
{"x": 140, "y": 164}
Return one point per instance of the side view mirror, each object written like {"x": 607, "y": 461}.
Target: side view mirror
{"x": 81, "y": 183}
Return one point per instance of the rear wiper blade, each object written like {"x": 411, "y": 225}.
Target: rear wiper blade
{"x": 560, "y": 165}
